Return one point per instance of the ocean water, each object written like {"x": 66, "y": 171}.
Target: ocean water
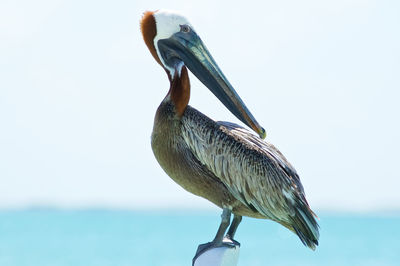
{"x": 167, "y": 238}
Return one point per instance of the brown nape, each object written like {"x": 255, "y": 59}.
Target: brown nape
{"x": 180, "y": 91}
{"x": 149, "y": 31}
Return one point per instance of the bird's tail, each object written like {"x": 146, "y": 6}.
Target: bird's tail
{"x": 304, "y": 224}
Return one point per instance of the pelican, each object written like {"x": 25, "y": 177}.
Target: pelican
{"x": 222, "y": 162}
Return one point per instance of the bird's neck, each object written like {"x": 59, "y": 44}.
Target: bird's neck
{"x": 179, "y": 92}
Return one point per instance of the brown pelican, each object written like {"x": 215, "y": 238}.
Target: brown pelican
{"x": 220, "y": 161}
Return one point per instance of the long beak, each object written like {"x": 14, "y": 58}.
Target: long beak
{"x": 198, "y": 59}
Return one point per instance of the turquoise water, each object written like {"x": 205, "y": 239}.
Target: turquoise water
{"x": 101, "y": 237}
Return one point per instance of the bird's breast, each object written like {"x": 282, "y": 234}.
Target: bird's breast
{"x": 177, "y": 160}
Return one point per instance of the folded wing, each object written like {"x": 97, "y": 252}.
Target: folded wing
{"x": 254, "y": 171}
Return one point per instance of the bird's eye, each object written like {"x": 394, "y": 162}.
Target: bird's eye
{"x": 185, "y": 28}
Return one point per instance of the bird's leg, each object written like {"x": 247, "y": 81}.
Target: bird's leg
{"x": 232, "y": 229}
{"x": 225, "y": 221}
{"x": 234, "y": 225}
{"x": 217, "y": 242}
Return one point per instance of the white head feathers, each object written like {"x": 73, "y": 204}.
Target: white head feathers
{"x": 167, "y": 23}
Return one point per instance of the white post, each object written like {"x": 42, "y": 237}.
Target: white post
{"x": 220, "y": 256}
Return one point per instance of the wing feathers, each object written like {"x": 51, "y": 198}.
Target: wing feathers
{"x": 254, "y": 171}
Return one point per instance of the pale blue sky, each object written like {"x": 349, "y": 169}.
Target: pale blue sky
{"x": 78, "y": 93}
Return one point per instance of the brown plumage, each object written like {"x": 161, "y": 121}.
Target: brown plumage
{"x": 224, "y": 162}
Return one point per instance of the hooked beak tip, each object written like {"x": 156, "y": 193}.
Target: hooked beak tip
{"x": 262, "y": 133}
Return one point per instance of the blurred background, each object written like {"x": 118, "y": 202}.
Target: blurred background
{"x": 78, "y": 92}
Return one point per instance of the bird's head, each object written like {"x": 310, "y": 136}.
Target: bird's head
{"x": 174, "y": 43}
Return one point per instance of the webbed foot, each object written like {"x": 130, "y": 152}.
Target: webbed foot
{"x": 226, "y": 242}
